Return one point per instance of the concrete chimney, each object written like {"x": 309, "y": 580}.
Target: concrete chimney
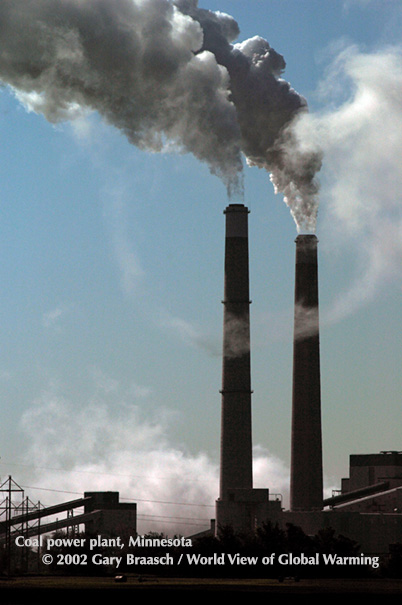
{"x": 306, "y": 480}
{"x": 239, "y": 505}
{"x": 236, "y": 446}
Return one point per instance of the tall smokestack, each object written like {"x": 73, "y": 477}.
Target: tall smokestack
{"x": 236, "y": 446}
{"x": 306, "y": 481}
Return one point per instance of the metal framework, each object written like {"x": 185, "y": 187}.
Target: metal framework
{"x": 14, "y": 505}
{"x": 20, "y": 516}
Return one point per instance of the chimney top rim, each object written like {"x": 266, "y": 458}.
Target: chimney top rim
{"x": 236, "y": 208}
{"x": 306, "y": 238}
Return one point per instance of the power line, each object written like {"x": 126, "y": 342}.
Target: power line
{"x": 144, "y": 516}
{"x": 176, "y": 522}
{"x": 192, "y": 521}
{"x": 61, "y": 491}
{"x": 167, "y": 502}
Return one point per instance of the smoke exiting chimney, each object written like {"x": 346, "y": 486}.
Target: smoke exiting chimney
{"x": 306, "y": 481}
{"x": 168, "y": 75}
{"x": 236, "y": 446}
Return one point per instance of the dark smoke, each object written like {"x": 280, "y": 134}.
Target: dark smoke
{"x": 167, "y": 74}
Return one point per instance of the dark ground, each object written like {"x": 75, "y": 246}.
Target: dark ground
{"x": 35, "y": 590}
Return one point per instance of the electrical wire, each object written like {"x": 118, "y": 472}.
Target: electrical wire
{"x": 62, "y": 491}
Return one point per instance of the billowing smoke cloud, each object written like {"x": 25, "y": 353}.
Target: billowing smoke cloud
{"x": 266, "y": 108}
{"x": 362, "y": 180}
{"x": 167, "y": 74}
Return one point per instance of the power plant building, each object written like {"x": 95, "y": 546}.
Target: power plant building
{"x": 368, "y": 508}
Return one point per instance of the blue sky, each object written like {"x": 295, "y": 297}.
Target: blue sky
{"x": 112, "y": 273}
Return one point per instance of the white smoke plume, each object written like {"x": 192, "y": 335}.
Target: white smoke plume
{"x": 167, "y": 74}
{"x": 71, "y": 449}
{"x": 360, "y": 133}
{"x": 99, "y": 447}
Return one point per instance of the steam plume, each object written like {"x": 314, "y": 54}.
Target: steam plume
{"x": 362, "y": 181}
{"x": 168, "y": 75}
{"x": 97, "y": 449}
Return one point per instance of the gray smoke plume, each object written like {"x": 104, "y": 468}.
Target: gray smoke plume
{"x": 167, "y": 74}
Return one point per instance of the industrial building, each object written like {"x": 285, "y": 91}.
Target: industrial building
{"x": 101, "y": 513}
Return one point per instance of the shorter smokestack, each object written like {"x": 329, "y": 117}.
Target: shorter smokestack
{"x": 306, "y": 481}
